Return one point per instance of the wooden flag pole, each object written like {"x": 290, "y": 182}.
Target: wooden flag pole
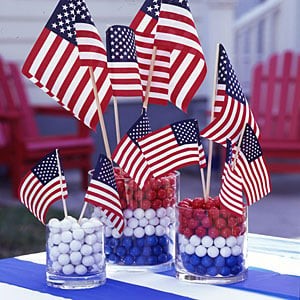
{"x": 210, "y": 145}
{"x": 149, "y": 80}
{"x": 103, "y": 129}
{"x": 117, "y": 120}
{"x": 61, "y": 186}
{"x": 238, "y": 149}
{"x": 203, "y": 181}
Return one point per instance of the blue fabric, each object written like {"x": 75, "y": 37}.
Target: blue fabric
{"x": 32, "y": 276}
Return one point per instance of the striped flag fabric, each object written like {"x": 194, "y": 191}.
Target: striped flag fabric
{"x": 128, "y": 154}
{"x": 43, "y": 185}
{"x": 102, "y": 192}
{"x": 172, "y": 147}
{"x": 176, "y": 33}
{"x": 60, "y": 59}
{"x": 252, "y": 168}
{"x": 231, "y": 109}
{"x": 144, "y": 26}
{"x": 122, "y": 61}
{"x": 231, "y": 192}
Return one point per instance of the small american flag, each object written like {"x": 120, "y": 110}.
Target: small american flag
{"x": 231, "y": 192}
{"x": 251, "y": 167}
{"x": 128, "y": 154}
{"x": 144, "y": 26}
{"x": 231, "y": 109}
{"x": 102, "y": 192}
{"x": 122, "y": 61}
{"x": 42, "y": 186}
{"x": 177, "y": 34}
{"x": 172, "y": 147}
{"x": 60, "y": 59}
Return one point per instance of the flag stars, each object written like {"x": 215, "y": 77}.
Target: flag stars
{"x": 250, "y": 145}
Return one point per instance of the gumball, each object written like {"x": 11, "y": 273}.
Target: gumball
{"x": 151, "y": 240}
{"x": 194, "y": 260}
{"x": 236, "y": 250}
{"x": 54, "y": 225}
{"x": 193, "y": 223}
{"x": 141, "y": 260}
{"x": 213, "y": 232}
{"x": 157, "y": 250}
{"x": 68, "y": 269}
{"x": 97, "y": 247}
{"x": 90, "y": 239}
{"x": 163, "y": 240}
{"x": 231, "y": 241}
{"x": 154, "y": 221}
{"x": 56, "y": 266}
{"x": 150, "y": 213}
{"x": 56, "y": 238}
{"x": 207, "y": 241}
{"x": 63, "y": 248}
{"x": 145, "y": 204}
{"x": 199, "y": 213}
{"x": 213, "y": 251}
{"x": 165, "y": 221}
{"x": 219, "y": 261}
{"x": 54, "y": 253}
{"x": 63, "y": 259}
{"x": 162, "y": 258}
{"x": 75, "y": 258}
{"x": 128, "y": 213}
{"x": 140, "y": 242}
{"x": 115, "y": 233}
{"x": 88, "y": 260}
{"x": 200, "y": 231}
{"x": 188, "y": 232}
{"x": 78, "y": 234}
{"x": 226, "y": 232}
{"x": 160, "y": 230}
{"x": 231, "y": 261}
{"x": 107, "y": 231}
{"x": 225, "y": 251}
{"x": 195, "y": 240}
{"x": 224, "y": 271}
{"x": 201, "y": 270}
{"x": 99, "y": 259}
{"x": 189, "y": 249}
{"x": 139, "y": 213}
{"x": 212, "y": 271}
{"x": 147, "y": 251}
{"x": 149, "y": 229}
{"x": 156, "y": 204}
{"x": 151, "y": 260}
{"x": 126, "y": 242}
{"x": 143, "y": 222}
{"x": 133, "y": 223}
{"x": 65, "y": 224}
{"x": 219, "y": 242}
{"x": 128, "y": 231}
{"x": 135, "y": 251}
{"x": 220, "y": 223}
{"x": 80, "y": 269}
{"x": 207, "y": 261}
{"x": 206, "y": 222}
{"x": 113, "y": 258}
{"x": 197, "y": 203}
{"x": 161, "y": 212}
{"x": 240, "y": 240}
{"x": 139, "y": 232}
{"x": 86, "y": 250}
{"x": 200, "y": 251}
{"x": 128, "y": 260}
{"x": 121, "y": 251}
{"x": 214, "y": 213}
{"x": 88, "y": 227}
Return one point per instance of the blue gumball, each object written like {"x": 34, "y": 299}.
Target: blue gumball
{"x": 189, "y": 267}
{"x": 162, "y": 258}
{"x": 140, "y": 261}
{"x": 219, "y": 261}
{"x": 236, "y": 269}
{"x": 147, "y": 251}
{"x": 113, "y": 258}
{"x": 157, "y": 250}
{"x": 207, "y": 261}
{"x": 126, "y": 242}
{"x": 151, "y": 240}
{"x": 224, "y": 271}
{"x": 231, "y": 261}
{"x": 107, "y": 250}
{"x": 128, "y": 260}
{"x": 121, "y": 251}
{"x": 140, "y": 242}
{"x": 151, "y": 260}
{"x": 113, "y": 242}
{"x": 135, "y": 251}
{"x": 212, "y": 271}
{"x": 185, "y": 257}
{"x": 163, "y": 240}
{"x": 195, "y": 260}
{"x": 200, "y": 270}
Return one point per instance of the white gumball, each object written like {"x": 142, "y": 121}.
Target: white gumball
{"x": 56, "y": 266}
{"x": 219, "y": 242}
{"x": 56, "y": 238}
{"x": 88, "y": 227}
{"x": 88, "y": 260}
{"x": 54, "y": 225}
{"x": 150, "y": 213}
{"x": 139, "y": 213}
{"x": 97, "y": 247}
{"x": 66, "y": 236}
{"x": 139, "y": 232}
{"x": 213, "y": 251}
{"x": 149, "y": 229}
{"x": 240, "y": 240}
{"x": 99, "y": 259}
{"x": 68, "y": 269}
{"x": 83, "y": 220}
{"x": 154, "y": 221}
{"x": 143, "y": 222}
{"x": 189, "y": 249}
{"x": 165, "y": 221}
{"x": 183, "y": 240}
{"x": 63, "y": 259}
{"x": 80, "y": 269}
{"x": 86, "y": 250}
{"x": 78, "y": 234}
{"x": 160, "y": 230}
{"x": 128, "y": 213}
{"x": 161, "y": 212}
{"x": 225, "y": 251}
{"x": 65, "y": 224}
{"x": 75, "y": 226}
{"x": 54, "y": 253}
{"x": 231, "y": 241}
{"x": 195, "y": 240}
{"x": 107, "y": 231}
{"x": 90, "y": 239}
{"x": 171, "y": 213}
{"x": 207, "y": 241}
{"x": 75, "y": 245}
{"x": 63, "y": 248}
{"x": 236, "y": 250}
{"x": 115, "y": 233}
{"x": 133, "y": 223}
{"x": 200, "y": 251}
{"x": 128, "y": 231}
{"x": 75, "y": 258}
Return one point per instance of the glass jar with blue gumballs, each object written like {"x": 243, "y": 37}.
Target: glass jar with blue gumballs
{"x": 148, "y": 239}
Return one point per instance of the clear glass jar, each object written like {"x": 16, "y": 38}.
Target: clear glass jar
{"x": 211, "y": 242}
{"x": 75, "y": 253}
{"x": 148, "y": 239}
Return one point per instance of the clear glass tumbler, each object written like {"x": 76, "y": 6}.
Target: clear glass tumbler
{"x": 211, "y": 242}
{"x": 148, "y": 240}
{"x": 75, "y": 253}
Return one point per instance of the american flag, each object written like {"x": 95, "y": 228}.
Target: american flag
{"x": 102, "y": 192}
{"x": 43, "y": 185}
{"x": 122, "y": 61}
{"x": 231, "y": 192}
{"x": 172, "y": 147}
{"x": 128, "y": 154}
{"x": 231, "y": 109}
{"x": 60, "y": 59}
{"x": 144, "y": 26}
{"x": 251, "y": 166}
{"x": 176, "y": 33}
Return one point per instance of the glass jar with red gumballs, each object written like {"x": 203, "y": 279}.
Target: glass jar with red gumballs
{"x": 148, "y": 240}
{"x": 210, "y": 242}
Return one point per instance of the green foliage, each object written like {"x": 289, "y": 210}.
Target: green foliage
{"x": 20, "y": 232}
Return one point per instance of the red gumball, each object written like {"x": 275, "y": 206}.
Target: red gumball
{"x": 226, "y": 232}
{"x": 161, "y": 194}
{"x": 236, "y": 230}
{"x": 197, "y": 202}
{"x": 220, "y": 223}
{"x": 206, "y": 222}
{"x": 224, "y": 213}
{"x": 200, "y": 231}
{"x": 150, "y": 195}
{"x": 213, "y": 232}
{"x": 145, "y": 204}
{"x": 156, "y": 204}
{"x": 188, "y": 232}
{"x": 188, "y": 213}
{"x": 232, "y": 221}
{"x": 214, "y": 212}
{"x": 193, "y": 223}
{"x": 199, "y": 213}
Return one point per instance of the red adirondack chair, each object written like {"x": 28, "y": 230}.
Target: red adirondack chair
{"x": 275, "y": 102}
{"x": 21, "y": 144}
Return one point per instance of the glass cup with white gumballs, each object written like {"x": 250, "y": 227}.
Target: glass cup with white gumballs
{"x": 75, "y": 253}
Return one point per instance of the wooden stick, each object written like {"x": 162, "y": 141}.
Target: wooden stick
{"x": 61, "y": 186}
{"x": 203, "y": 181}
{"x": 238, "y": 149}
{"x": 149, "y": 80}
{"x": 210, "y": 145}
{"x": 103, "y": 129}
{"x": 117, "y": 120}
